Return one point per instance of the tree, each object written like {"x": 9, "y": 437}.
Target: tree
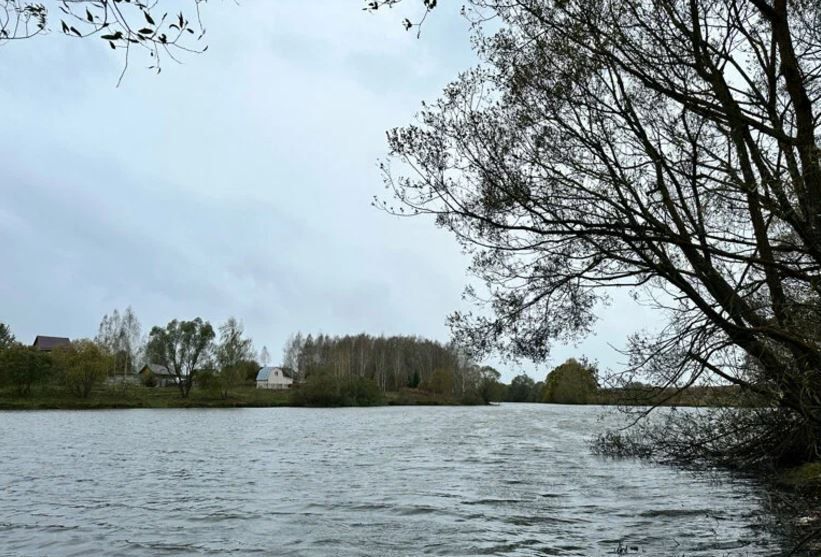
{"x": 666, "y": 146}
{"x": 521, "y": 389}
{"x": 22, "y": 366}
{"x": 231, "y": 352}
{"x": 264, "y": 356}
{"x": 119, "y": 335}
{"x": 440, "y": 382}
{"x": 181, "y": 347}
{"x": 291, "y": 351}
{"x": 6, "y": 337}
{"x": 82, "y": 364}
{"x": 490, "y": 389}
{"x": 122, "y": 25}
{"x": 573, "y": 382}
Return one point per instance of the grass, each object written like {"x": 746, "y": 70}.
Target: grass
{"x": 135, "y": 396}
{"x": 724, "y": 396}
{"x": 806, "y": 476}
{"x": 50, "y": 397}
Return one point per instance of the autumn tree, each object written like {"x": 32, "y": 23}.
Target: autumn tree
{"x": 572, "y": 382}
{"x": 231, "y": 352}
{"x": 670, "y": 147}
{"x": 521, "y": 388}
{"x": 21, "y": 367}
{"x": 119, "y": 335}
{"x": 181, "y": 346}
{"x": 81, "y": 365}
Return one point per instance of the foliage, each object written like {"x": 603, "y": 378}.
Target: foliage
{"x": 415, "y": 380}
{"x": 119, "y": 336}
{"x": 325, "y": 389}
{"x": 181, "y": 347}
{"x": 573, "y": 382}
{"x": 6, "y": 337}
{"x": 666, "y": 146}
{"x": 392, "y": 363}
{"x": 81, "y": 364}
{"x": 232, "y": 352}
{"x": 124, "y": 25}
{"x": 22, "y": 366}
{"x": 440, "y": 382}
{"x": 521, "y": 389}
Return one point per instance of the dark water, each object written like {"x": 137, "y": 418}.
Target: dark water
{"x": 506, "y": 480}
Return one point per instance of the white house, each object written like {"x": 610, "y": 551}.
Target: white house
{"x": 274, "y": 378}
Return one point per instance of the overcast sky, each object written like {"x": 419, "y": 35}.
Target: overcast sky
{"x": 238, "y": 183}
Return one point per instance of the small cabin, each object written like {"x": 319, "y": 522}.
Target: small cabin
{"x": 274, "y": 378}
{"x": 47, "y": 344}
{"x": 157, "y": 375}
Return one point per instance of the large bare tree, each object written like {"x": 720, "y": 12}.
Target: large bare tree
{"x": 671, "y": 146}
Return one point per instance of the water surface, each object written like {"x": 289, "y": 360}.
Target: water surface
{"x": 514, "y": 479}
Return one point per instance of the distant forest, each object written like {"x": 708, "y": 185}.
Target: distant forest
{"x": 392, "y": 363}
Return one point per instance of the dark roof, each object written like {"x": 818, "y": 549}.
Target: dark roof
{"x": 157, "y": 369}
{"x": 45, "y": 343}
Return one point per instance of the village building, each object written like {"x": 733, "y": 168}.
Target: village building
{"x": 274, "y": 378}
{"x": 47, "y": 344}
{"x": 157, "y": 375}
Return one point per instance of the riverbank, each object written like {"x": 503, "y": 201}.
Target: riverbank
{"x": 135, "y": 396}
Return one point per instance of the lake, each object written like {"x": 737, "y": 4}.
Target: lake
{"x": 514, "y": 479}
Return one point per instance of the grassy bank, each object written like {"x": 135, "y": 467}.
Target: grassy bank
{"x": 135, "y": 396}
{"x": 729, "y": 396}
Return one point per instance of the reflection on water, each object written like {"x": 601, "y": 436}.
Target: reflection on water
{"x": 504, "y": 480}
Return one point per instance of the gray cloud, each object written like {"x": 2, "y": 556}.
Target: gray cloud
{"x": 237, "y": 183}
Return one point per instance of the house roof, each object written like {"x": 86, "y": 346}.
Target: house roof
{"x": 48, "y": 343}
{"x": 157, "y": 369}
{"x": 265, "y": 372}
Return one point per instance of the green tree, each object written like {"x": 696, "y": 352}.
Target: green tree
{"x": 490, "y": 389}
{"x": 81, "y": 364}
{"x": 440, "y": 382}
{"x": 6, "y": 337}
{"x": 573, "y": 382}
{"x": 182, "y": 346}
{"x": 414, "y": 380}
{"x": 521, "y": 389}
{"x": 231, "y": 352}
{"x": 22, "y": 366}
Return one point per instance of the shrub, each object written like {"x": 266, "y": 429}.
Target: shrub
{"x": 571, "y": 383}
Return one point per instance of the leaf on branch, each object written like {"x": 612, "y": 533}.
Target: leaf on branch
{"x": 64, "y": 26}
{"x": 148, "y": 18}
{"x": 89, "y": 16}
{"x": 75, "y": 31}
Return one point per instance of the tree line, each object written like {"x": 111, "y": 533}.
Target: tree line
{"x": 192, "y": 351}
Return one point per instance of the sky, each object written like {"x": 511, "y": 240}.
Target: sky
{"x": 237, "y": 183}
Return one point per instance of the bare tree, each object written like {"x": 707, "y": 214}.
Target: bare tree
{"x": 666, "y": 146}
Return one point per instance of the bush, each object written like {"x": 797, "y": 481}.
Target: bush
{"x": 323, "y": 389}
{"x": 571, "y": 383}
{"x": 81, "y": 365}
{"x": 21, "y": 367}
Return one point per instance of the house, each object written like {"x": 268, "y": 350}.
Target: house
{"x": 47, "y": 344}
{"x": 159, "y": 376}
{"x": 274, "y": 378}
